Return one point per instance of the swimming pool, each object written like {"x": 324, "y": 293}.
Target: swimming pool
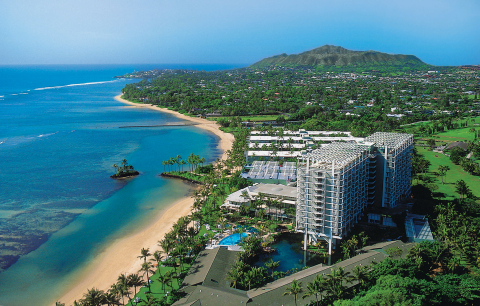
{"x": 232, "y": 239}
{"x": 288, "y": 250}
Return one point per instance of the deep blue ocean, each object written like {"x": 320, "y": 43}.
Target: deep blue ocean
{"x": 59, "y": 137}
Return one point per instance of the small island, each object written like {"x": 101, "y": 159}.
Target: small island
{"x": 124, "y": 171}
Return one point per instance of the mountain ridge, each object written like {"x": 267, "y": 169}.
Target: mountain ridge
{"x": 329, "y": 55}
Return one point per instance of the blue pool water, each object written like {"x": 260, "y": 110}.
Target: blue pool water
{"x": 289, "y": 253}
{"x": 232, "y": 239}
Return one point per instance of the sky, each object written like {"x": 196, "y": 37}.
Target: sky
{"x": 439, "y": 32}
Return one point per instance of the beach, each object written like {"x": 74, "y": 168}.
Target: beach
{"x": 122, "y": 255}
{"x": 226, "y": 140}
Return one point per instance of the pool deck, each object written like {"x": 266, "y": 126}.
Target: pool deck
{"x": 236, "y": 248}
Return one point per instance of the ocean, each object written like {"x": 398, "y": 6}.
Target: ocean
{"x": 60, "y": 133}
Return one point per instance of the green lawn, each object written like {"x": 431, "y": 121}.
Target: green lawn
{"x": 470, "y": 124}
{"x": 188, "y": 175}
{"x": 157, "y": 290}
{"x": 462, "y": 134}
{"x": 454, "y": 174}
{"x": 251, "y": 118}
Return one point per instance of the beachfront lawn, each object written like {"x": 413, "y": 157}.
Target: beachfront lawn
{"x": 231, "y": 130}
{"x": 158, "y": 289}
{"x": 188, "y": 175}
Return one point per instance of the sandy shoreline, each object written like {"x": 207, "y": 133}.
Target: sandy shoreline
{"x": 226, "y": 140}
{"x": 121, "y": 256}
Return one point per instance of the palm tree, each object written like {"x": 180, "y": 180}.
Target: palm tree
{"x": 116, "y": 167}
{"x": 123, "y": 281}
{"x": 111, "y": 298}
{"x": 360, "y": 274}
{"x": 335, "y": 282}
{"x": 180, "y": 251}
{"x": 295, "y": 289}
{"x": 116, "y": 291}
{"x": 315, "y": 287}
{"x": 93, "y": 297}
{"x": 59, "y": 304}
{"x": 443, "y": 172}
{"x": 168, "y": 278}
{"x": 135, "y": 280}
{"x": 461, "y": 188}
{"x": 178, "y": 158}
{"x": 119, "y": 291}
{"x": 163, "y": 280}
{"x": 170, "y": 163}
{"x": 272, "y": 265}
{"x": 182, "y": 163}
{"x": 157, "y": 256}
{"x": 173, "y": 161}
{"x": 144, "y": 254}
{"x": 150, "y": 300}
{"x": 235, "y": 274}
{"x": 146, "y": 268}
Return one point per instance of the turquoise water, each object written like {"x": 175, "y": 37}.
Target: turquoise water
{"x": 233, "y": 239}
{"x": 288, "y": 251}
{"x": 59, "y": 137}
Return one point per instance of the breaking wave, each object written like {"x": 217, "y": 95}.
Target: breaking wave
{"x": 73, "y": 85}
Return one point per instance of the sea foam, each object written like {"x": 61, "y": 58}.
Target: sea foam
{"x": 72, "y": 85}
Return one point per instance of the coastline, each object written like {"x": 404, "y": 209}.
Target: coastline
{"x": 226, "y": 140}
{"x": 121, "y": 256}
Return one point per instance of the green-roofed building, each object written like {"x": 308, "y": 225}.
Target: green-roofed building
{"x": 206, "y": 283}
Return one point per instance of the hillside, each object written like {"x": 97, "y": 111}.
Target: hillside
{"x": 340, "y": 57}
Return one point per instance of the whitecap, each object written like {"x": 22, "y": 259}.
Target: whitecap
{"x": 72, "y": 85}
{"x": 45, "y": 135}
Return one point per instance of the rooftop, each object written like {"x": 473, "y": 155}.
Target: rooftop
{"x": 391, "y": 140}
{"x": 339, "y": 153}
{"x": 201, "y": 271}
{"x": 457, "y": 144}
{"x": 274, "y": 189}
{"x": 217, "y": 293}
{"x": 271, "y": 170}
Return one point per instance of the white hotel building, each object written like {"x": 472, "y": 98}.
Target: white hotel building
{"x": 336, "y": 183}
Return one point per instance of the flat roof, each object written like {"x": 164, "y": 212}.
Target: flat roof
{"x": 339, "y": 153}
{"x": 274, "y": 189}
{"x": 391, "y": 140}
{"x": 270, "y": 153}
